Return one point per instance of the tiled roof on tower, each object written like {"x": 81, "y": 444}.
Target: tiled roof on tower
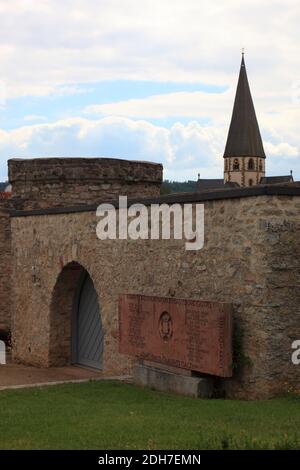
{"x": 244, "y": 136}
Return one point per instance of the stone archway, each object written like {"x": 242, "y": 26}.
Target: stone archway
{"x": 76, "y": 334}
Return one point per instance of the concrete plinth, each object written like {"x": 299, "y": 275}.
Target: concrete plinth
{"x": 166, "y": 381}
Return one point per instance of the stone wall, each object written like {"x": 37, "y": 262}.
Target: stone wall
{"x": 54, "y": 182}
{"x": 251, "y": 257}
{"x": 5, "y": 265}
{"x": 57, "y": 182}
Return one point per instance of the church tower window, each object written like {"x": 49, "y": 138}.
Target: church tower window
{"x": 236, "y": 165}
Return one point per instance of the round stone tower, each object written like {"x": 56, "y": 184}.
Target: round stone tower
{"x": 58, "y": 182}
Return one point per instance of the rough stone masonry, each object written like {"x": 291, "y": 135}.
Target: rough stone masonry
{"x": 60, "y": 182}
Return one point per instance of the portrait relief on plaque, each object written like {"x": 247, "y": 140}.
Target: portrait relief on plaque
{"x": 165, "y": 326}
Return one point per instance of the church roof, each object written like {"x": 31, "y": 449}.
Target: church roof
{"x": 276, "y": 179}
{"x": 208, "y": 184}
{"x": 203, "y": 184}
{"x": 244, "y": 136}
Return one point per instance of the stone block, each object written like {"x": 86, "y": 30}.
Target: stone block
{"x": 166, "y": 381}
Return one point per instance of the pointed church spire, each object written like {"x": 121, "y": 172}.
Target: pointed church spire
{"x": 244, "y": 138}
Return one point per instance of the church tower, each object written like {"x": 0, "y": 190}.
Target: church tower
{"x": 244, "y": 156}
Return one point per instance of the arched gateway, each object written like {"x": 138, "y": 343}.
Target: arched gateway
{"x": 76, "y": 332}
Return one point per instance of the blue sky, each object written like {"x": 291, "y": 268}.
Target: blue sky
{"x": 22, "y": 110}
{"x": 147, "y": 80}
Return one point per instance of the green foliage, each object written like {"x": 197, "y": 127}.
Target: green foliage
{"x": 112, "y": 415}
{"x": 240, "y": 360}
{"x": 165, "y": 188}
{"x": 169, "y": 187}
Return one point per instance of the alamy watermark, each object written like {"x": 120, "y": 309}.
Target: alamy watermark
{"x": 296, "y": 353}
{"x": 2, "y": 353}
{"x": 154, "y": 222}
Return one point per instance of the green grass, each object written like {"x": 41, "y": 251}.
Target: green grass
{"x": 110, "y": 415}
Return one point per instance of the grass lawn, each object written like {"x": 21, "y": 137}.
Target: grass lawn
{"x": 110, "y": 415}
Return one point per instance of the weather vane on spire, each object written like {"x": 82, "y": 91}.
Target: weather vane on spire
{"x": 243, "y": 51}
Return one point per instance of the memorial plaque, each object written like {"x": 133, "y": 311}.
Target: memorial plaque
{"x": 188, "y": 334}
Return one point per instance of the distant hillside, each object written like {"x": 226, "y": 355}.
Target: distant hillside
{"x": 169, "y": 187}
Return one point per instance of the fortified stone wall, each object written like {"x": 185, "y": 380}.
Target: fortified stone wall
{"x": 5, "y": 263}
{"x": 251, "y": 258}
{"x": 58, "y": 182}
{"x": 55, "y": 182}
{"x": 5, "y": 271}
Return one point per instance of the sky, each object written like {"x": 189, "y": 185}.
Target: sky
{"x": 147, "y": 80}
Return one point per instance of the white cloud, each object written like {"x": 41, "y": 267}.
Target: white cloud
{"x": 50, "y": 43}
{"x": 196, "y": 104}
{"x": 283, "y": 150}
{"x": 183, "y": 149}
{"x": 279, "y": 128}
{"x": 49, "y": 47}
